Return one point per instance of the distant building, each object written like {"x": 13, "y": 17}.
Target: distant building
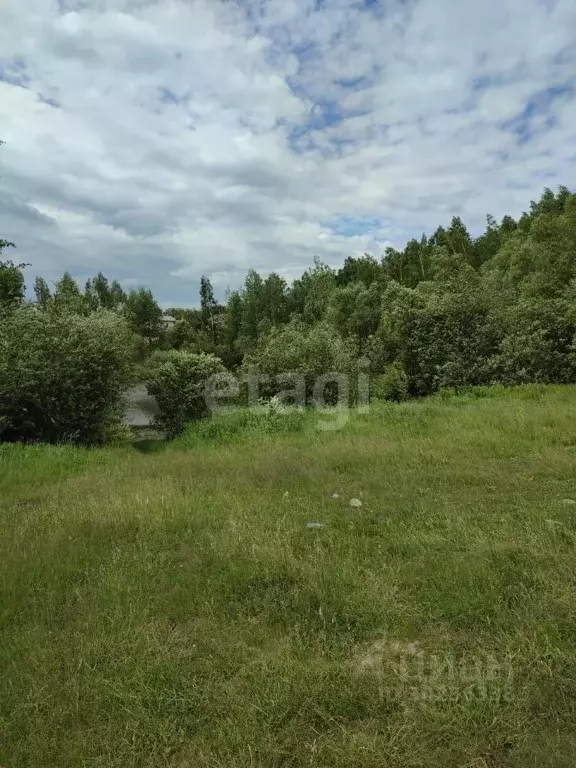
{"x": 168, "y": 321}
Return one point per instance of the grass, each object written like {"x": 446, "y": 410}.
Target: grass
{"x": 174, "y": 608}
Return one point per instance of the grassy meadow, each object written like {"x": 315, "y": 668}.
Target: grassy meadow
{"x": 175, "y": 608}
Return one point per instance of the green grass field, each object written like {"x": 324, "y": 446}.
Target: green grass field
{"x": 174, "y": 608}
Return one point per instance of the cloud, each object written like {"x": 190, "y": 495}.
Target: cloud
{"x": 159, "y": 141}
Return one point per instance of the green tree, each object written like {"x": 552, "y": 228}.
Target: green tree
{"x": 253, "y": 302}
{"x": 42, "y": 293}
{"x": 275, "y": 306}
{"x": 12, "y": 286}
{"x": 441, "y": 330}
{"x": 144, "y": 315}
{"x": 117, "y": 295}
{"x": 231, "y": 350}
{"x": 306, "y": 352}
{"x": 355, "y": 309}
{"x": 364, "y": 269}
{"x": 100, "y": 293}
{"x": 410, "y": 266}
{"x": 208, "y": 307}
{"x": 310, "y": 294}
{"x": 68, "y": 298}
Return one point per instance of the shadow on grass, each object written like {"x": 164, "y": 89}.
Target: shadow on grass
{"x": 147, "y": 440}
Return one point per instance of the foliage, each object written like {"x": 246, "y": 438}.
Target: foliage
{"x": 100, "y": 293}
{"x": 354, "y": 310}
{"x": 42, "y": 293}
{"x": 538, "y": 346}
{"x": 208, "y": 306}
{"x": 179, "y": 386}
{"x": 68, "y": 299}
{"x": 311, "y": 293}
{"x": 305, "y": 353}
{"x": 61, "y": 376}
{"x": 451, "y": 309}
{"x": 144, "y": 315}
{"x": 364, "y": 269}
{"x": 12, "y": 285}
{"x": 390, "y": 385}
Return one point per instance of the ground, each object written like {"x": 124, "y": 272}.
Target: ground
{"x": 140, "y": 407}
{"x": 175, "y": 608}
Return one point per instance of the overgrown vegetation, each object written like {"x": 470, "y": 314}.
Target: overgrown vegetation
{"x": 176, "y": 610}
{"x": 447, "y": 311}
{"x": 61, "y": 376}
{"x": 179, "y": 386}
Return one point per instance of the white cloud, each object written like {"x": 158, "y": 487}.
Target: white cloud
{"x": 161, "y": 140}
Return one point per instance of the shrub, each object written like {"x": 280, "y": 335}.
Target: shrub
{"x": 118, "y": 433}
{"x": 390, "y": 385}
{"x": 309, "y": 353}
{"x": 538, "y": 346}
{"x": 179, "y": 386}
{"x": 61, "y": 376}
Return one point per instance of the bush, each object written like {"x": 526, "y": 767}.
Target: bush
{"x": 179, "y": 386}
{"x": 118, "y": 433}
{"x": 61, "y": 376}
{"x": 390, "y": 385}
{"x": 538, "y": 346}
{"x": 309, "y": 353}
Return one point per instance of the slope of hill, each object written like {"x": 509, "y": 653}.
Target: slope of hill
{"x": 179, "y": 609}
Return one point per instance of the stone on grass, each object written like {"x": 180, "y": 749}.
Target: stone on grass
{"x": 568, "y": 502}
{"x": 355, "y": 503}
{"x": 314, "y": 525}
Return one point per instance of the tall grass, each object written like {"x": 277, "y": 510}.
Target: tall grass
{"x": 175, "y": 609}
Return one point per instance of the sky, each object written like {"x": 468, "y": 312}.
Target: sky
{"x": 160, "y": 141}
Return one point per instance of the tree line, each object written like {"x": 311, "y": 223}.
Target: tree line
{"x": 447, "y": 310}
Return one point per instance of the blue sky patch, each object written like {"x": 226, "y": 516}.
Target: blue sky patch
{"x": 13, "y": 71}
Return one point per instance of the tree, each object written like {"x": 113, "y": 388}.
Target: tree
{"x": 410, "y": 266}
{"x": 488, "y": 244}
{"x": 144, "y": 315}
{"x": 42, "y": 293}
{"x": 12, "y": 285}
{"x": 305, "y": 353}
{"x": 275, "y": 299}
{"x": 355, "y": 310}
{"x": 440, "y": 331}
{"x": 5, "y": 244}
{"x": 208, "y": 306}
{"x": 67, "y": 297}
{"x": 310, "y": 294}
{"x": 364, "y": 269}
{"x": 100, "y": 293}
{"x": 253, "y": 302}
{"x": 231, "y": 348}
{"x": 117, "y": 295}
